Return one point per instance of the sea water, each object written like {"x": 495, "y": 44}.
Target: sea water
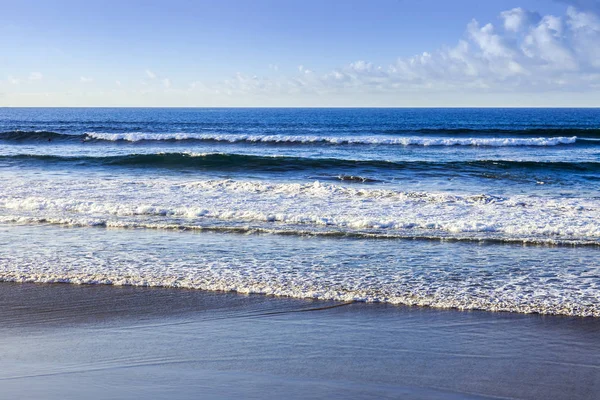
{"x": 493, "y": 209}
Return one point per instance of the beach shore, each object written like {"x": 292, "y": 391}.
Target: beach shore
{"x": 61, "y": 341}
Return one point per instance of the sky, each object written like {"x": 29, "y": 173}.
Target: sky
{"x": 304, "y": 53}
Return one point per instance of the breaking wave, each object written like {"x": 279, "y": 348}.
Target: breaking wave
{"x": 288, "y": 139}
{"x": 306, "y": 209}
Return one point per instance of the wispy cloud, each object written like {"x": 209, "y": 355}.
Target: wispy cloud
{"x": 303, "y": 70}
{"x": 85, "y": 79}
{"x": 35, "y": 76}
{"x": 166, "y": 83}
{"x": 150, "y": 74}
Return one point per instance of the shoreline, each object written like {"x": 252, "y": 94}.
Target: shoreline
{"x": 86, "y": 281}
{"x": 462, "y": 276}
{"x": 98, "y": 341}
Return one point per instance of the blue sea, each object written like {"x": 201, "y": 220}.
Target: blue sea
{"x": 488, "y": 209}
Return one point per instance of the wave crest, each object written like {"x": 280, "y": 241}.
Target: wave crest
{"x": 289, "y": 139}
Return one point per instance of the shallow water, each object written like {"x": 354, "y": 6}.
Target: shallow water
{"x": 446, "y": 274}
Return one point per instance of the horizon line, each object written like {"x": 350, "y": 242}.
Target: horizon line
{"x": 321, "y": 107}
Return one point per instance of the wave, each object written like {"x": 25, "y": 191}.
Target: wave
{"x": 336, "y": 140}
{"x": 18, "y": 136}
{"x": 373, "y": 277}
{"x": 273, "y": 286}
{"x": 287, "y": 139}
{"x": 549, "y": 131}
{"x": 410, "y": 233}
{"x": 316, "y": 208}
{"x": 232, "y": 161}
{"x": 362, "y": 271}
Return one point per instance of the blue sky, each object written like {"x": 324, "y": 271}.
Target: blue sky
{"x": 300, "y": 53}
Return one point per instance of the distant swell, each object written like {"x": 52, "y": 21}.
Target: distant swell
{"x": 235, "y": 162}
{"x": 22, "y": 136}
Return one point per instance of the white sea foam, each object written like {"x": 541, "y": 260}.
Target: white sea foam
{"x": 344, "y": 270}
{"x": 383, "y": 140}
{"x": 358, "y": 270}
{"x": 297, "y": 207}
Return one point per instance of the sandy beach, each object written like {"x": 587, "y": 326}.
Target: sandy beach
{"x": 68, "y": 341}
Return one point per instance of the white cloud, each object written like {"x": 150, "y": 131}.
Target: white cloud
{"x": 150, "y": 74}
{"x": 582, "y": 21}
{"x": 302, "y": 69}
{"x": 35, "y": 76}
{"x": 196, "y": 85}
{"x": 525, "y": 52}
{"x": 84, "y": 79}
{"x": 547, "y": 44}
{"x": 517, "y": 19}
{"x": 13, "y": 81}
{"x": 586, "y": 26}
{"x": 166, "y": 83}
{"x": 118, "y": 83}
{"x": 492, "y": 45}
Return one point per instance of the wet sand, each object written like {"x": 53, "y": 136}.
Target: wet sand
{"x": 69, "y": 342}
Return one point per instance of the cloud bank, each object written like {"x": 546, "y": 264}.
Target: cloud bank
{"x": 523, "y": 51}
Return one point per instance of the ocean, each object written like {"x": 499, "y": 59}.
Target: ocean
{"x": 471, "y": 209}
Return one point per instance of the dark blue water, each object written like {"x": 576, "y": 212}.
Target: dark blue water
{"x": 300, "y": 121}
{"x": 487, "y": 148}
